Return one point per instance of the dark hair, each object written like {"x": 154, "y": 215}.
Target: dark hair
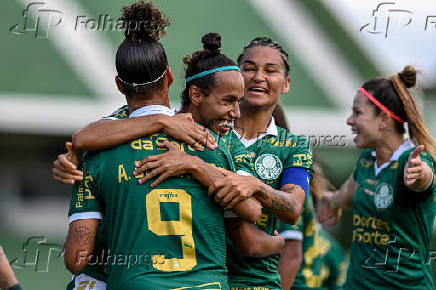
{"x": 141, "y": 58}
{"x": 393, "y": 93}
{"x": 203, "y": 60}
{"x": 267, "y": 42}
{"x": 280, "y": 118}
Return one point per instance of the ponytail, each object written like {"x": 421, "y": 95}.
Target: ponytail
{"x": 418, "y": 132}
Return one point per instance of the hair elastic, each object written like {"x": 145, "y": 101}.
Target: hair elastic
{"x": 143, "y": 84}
{"x": 378, "y": 104}
{"x": 208, "y": 72}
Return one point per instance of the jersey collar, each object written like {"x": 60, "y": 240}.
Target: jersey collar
{"x": 407, "y": 145}
{"x": 152, "y": 110}
{"x": 270, "y": 130}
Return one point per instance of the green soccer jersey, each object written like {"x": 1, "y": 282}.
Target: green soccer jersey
{"x": 97, "y": 268}
{"x": 242, "y": 162}
{"x": 277, "y": 150}
{"x": 392, "y": 226}
{"x": 167, "y": 237}
{"x": 241, "y": 158}
{"x": 309, "y": 274}
{"x": 333, "y": 263}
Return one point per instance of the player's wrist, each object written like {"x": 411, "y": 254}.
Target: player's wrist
{"x": 260, "y": 188}
{"x": 333, "y": 199}
{"x": 194, "y": 164}
{"x": 163, "y": 122}
{"x": 279, "y": 243}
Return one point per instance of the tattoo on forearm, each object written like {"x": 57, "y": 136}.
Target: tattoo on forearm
{"x": 280, "y": 202}
{"x": 81, "y": 235}
{"x": 263, "y": 193}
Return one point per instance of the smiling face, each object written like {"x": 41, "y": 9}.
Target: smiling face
{"x": 221, "y": 106}
{"x": 365, "y": 125}
{"x": 263, "y": 70}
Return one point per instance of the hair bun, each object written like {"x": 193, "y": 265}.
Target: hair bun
{"x": 212, "y": 41}
{"x": 408, "y": 76}
{"x": 143, "y": 21}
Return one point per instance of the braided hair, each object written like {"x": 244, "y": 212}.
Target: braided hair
{"x": 210, "y": 57}
{"x": 267, "y": 42}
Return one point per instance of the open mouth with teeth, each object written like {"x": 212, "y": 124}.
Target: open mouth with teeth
{"x": 224, "y": 125}
{"x": 257, "y": 91}
{"x": 355, "y": 134}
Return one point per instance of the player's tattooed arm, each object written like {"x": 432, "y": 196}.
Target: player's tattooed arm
{"x": 251, "y": 241}
{"x": 104, "y": 134}
{"x": 285, "y": 204}
{"x": 79, "y": 244}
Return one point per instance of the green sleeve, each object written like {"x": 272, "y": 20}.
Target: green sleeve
{"x": 300, "y": 155}
{"x": 84, "y": 196}
{"x": 120, "y": 113}
{"x": 242, "y": 158}
{"x": 298, "y": 227}
{"x": 403, "y": 163}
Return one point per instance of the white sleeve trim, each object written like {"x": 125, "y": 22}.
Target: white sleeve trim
{"x": 229, "y": 214}
{"x": 109, "y": 118}
{"x": 292, "y": 235}
{"x": 243, "y": 172}
{"x": 85, "y": 216}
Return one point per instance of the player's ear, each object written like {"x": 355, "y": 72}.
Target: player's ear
{"x": 195, "y": 95}
{"x": 120, "y": 88}
{"x": 385, "y": 120}
{"x": 286, "y": 85}
{"x": 169, "y": 76}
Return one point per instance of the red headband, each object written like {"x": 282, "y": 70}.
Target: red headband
{"x": 378, "y": 104}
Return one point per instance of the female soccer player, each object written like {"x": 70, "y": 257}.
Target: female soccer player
{"x": 391, "y": 190}
{"x": 220, "y": 97}
{"x": 140, "y": 58}
{"x": 265, "y": 67}
{"x": 283, "y": 161}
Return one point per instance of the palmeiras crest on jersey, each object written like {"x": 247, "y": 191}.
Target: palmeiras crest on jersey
{"x": 268, "y": 166}
{"x": 383, "y": 196}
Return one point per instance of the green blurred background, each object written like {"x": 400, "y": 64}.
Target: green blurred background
{"x": 54, "y": 79}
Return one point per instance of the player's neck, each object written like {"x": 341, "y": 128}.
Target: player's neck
{"x": 136, "y": 103}
{"x": 387, "y": 147}
{"x": 253, "y": 122}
